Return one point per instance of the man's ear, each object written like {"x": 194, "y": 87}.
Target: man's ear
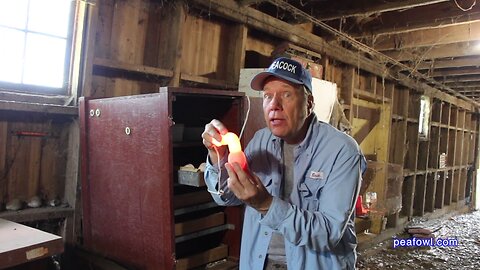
{"x": 310, "y": 104}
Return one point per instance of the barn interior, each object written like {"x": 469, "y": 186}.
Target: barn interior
{"x": 103, "y": 102}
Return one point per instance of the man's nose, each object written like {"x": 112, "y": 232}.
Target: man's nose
{"x": 275, "y": 103}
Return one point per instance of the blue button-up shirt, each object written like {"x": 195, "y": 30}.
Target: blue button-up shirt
{"x": 318, "y": 221}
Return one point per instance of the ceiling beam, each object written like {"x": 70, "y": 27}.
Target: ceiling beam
{"x": 464, "y": 84}
{"x": 470, "y": 91}
{"x": 430, "y": 37}
{"x": 468, "y": 78}
{"x": 248, "y": 2}
{"x": 441, "y": 51}
{"x": 426, "y": 17}
{"x": 471, "y": 61}
{"x": 380, "y": 8}
{"x": 456, "y": 72}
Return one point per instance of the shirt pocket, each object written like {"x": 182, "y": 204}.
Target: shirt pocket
{"x": 310, "y": 191}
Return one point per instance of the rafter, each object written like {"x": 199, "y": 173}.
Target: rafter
{"x": 426, "y": 17}
{"x": 464, "y": 85}
{"x": 471, "y": 61}
{"x": 383, "y": 7}
{"x": 430, "y": 37}
{"x": 442, "y": 51}
{"x": 468, "y": 78}
{"x": 456, "y": 72}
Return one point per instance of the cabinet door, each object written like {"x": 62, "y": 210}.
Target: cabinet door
{"x": 127, "y": 181}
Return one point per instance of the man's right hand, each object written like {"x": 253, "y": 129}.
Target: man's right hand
{"x": 214, "y": 130}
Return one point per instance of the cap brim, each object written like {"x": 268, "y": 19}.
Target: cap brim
{"x": 257, "y": 81}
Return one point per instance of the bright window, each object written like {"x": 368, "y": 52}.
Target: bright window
{"x": 424, "y": 117}
{"x": 34, "y": 47}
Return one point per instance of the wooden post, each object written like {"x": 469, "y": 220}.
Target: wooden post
{"x": 236, "y": 53}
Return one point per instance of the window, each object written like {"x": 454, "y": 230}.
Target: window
{"x": 424, "y": 117}
{"x": 35, "y": 45}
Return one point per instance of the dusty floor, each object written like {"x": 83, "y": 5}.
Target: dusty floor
{"x": 465, "y": 255}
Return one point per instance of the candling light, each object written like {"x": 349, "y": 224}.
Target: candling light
{"x": 234, "y": 147}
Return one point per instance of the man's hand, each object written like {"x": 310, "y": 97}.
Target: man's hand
{"x": 248, "y": 188}
{"x": 214, "y": 130}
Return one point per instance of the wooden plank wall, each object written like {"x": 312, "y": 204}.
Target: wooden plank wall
{"x": 415, "y": 183}
{"x": 32, "y": 165}
{"x": 184, "y": 48}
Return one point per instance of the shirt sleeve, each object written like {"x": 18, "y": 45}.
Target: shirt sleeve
{"x": 321, "y": 230}
{"x": 211, "y": 176}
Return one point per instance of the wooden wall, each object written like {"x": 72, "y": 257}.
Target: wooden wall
{"x": 33, "y": 157}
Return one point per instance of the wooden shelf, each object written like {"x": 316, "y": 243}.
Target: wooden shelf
{"x": 134, "y": 68}
{"x": 202, "y": 258}
{"x": 369, "y": 96}
{"x": 412, "y": 120}
{"x": 34, "y": 214}
{"x": 207, "y": 81}
{"x": 52, "y": 109}
{"x": 397, "y": 117}
{"x": 199, "y": 224}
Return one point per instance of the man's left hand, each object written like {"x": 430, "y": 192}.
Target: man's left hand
{"x": 247, "y": 187}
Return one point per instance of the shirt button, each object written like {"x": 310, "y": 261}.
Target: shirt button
{"x": 266, "y": 233}
{"x": 260, "y": 256}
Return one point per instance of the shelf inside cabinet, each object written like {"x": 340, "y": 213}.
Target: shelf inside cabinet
{"x": 198, "y": 259}
{"x": 199, "y": 224}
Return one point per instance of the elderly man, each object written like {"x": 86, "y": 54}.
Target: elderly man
{"x": 301, "y": 183}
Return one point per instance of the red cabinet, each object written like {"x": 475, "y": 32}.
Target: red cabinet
{"x": 134, "y": 209}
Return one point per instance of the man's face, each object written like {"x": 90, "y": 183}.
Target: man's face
{"x": 285, "y": 108}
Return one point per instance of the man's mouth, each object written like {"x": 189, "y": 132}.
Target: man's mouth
{"x": 276, "y": 121}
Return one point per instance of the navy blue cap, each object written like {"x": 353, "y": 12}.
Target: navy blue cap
{"x": 283, "y": 68}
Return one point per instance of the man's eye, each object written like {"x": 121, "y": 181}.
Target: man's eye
{"x": 267, "y": 96}
{"x": 287, "y": 95}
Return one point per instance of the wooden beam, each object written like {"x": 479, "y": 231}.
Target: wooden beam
{"x": 470, "y": 61}
{"x": 466, "y": 92}
{"x": 229, "y": 9}
{"x": 176, "y": 37}
{"x": 456, "y": 72}
{"x": 468, "y": 78}
{"x": 236, "y": 56}
{"x": 442, "y": 51}
{"x": 426, "y": 17}
{"x": 464, "y": 85}
{"x": 380, "y": 8}
{"x": 430, "y": 37}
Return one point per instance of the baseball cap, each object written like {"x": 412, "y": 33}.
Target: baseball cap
{"x": 283, "y": 68}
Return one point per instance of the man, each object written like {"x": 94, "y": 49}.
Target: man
{"x": 301, "y": 184}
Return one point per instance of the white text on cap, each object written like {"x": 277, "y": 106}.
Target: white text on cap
{"x": 283, "y": 65}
